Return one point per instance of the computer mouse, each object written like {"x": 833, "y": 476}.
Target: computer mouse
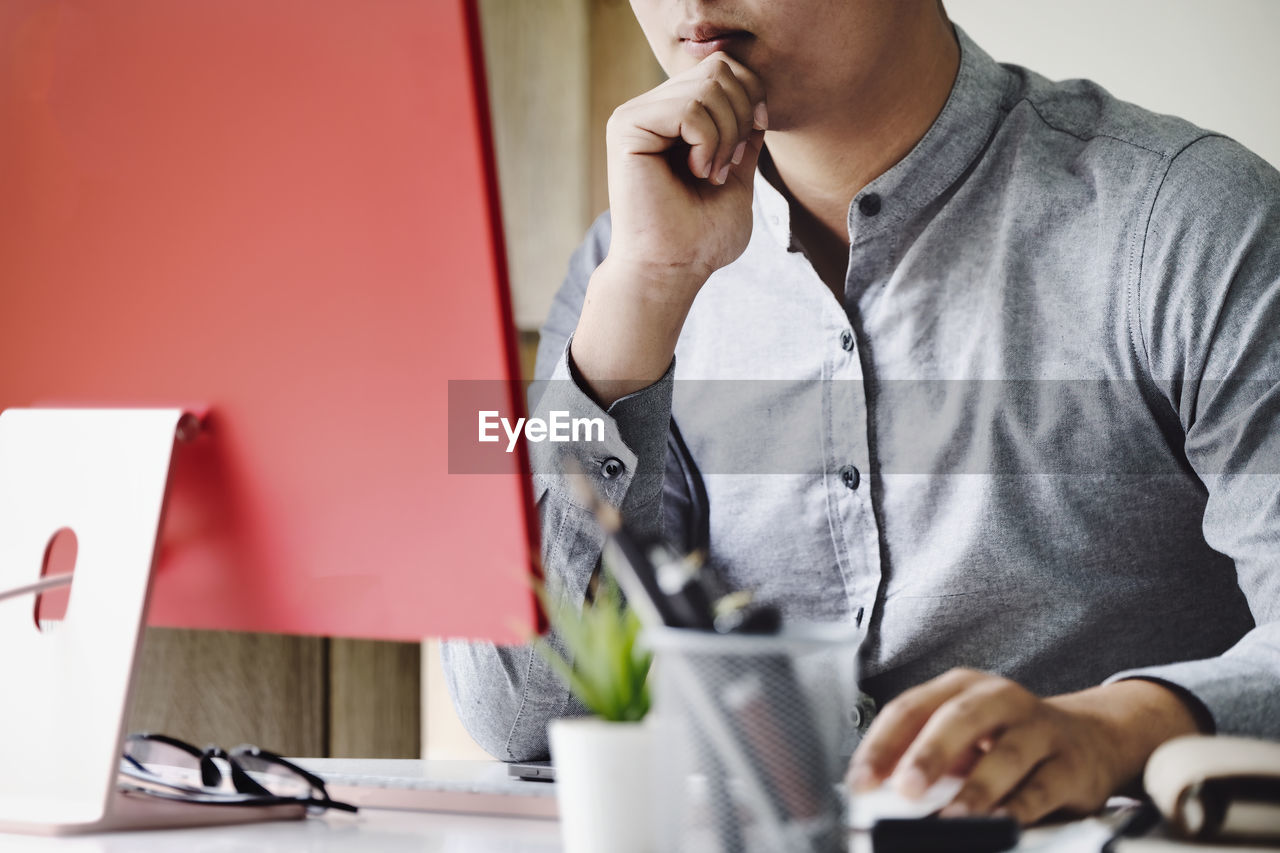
{"x": 884, "y": 802}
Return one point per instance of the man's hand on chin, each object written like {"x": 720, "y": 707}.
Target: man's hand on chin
{"x": 1018, "y": 754}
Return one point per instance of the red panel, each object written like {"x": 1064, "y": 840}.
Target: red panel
{"x": 283, "y": 209}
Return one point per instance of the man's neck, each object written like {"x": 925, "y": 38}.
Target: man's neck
{"x": 822, "y": 165}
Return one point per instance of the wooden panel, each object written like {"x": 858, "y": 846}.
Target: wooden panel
{"x": 622, "y": 66}
{"x": 226, "y": 688}
{"x": 375, "y": 699}
{"x": 557, "y": 69}
{"x": 536, "y": 57}
{"x": 527, "y": 342}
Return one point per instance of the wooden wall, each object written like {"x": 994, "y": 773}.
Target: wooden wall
{"x": 308, "y": 696}
{"x": 556, "y": 70}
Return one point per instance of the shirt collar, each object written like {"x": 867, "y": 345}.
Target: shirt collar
{"x": 954, "y": 141}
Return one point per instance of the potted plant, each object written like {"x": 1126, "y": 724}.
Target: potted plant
{"x": 602, "y": 761}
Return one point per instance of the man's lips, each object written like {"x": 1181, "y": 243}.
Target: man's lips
{"x": 702, "y": 41}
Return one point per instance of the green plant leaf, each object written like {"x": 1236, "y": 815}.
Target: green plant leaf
{"x": 603, "y": 664}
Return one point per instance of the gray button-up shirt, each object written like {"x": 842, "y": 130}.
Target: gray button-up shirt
{"x": 1039, "y": 436}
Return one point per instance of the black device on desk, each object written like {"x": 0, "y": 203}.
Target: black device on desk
{"x": 952, "y": 834}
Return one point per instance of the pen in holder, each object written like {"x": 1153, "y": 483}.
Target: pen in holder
{"x": 757, "y": 734}
{"x": 754, "y": 717}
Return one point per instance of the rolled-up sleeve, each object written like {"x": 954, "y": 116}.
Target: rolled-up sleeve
{"x": 1209, "y": 308}
{"x": 506, "y": 695}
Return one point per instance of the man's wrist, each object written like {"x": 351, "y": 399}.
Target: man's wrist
{"x": 657, "y": 283}
{"x": 1133, "y": 717}
{"x": 628, "y": 328}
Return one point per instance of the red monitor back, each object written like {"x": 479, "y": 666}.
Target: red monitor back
{"x": 284, "y": 210}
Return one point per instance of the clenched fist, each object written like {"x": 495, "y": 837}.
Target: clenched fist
{"x": 682, "y": 160}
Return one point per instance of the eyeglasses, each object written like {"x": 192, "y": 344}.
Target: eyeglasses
{"x": 167, "y": 767}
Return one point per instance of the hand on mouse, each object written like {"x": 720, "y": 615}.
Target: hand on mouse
{"x": 1018, "y": 753}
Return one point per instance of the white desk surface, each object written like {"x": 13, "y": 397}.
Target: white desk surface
{"x": 372, "y": 830}
{"x": 394, "y": 831}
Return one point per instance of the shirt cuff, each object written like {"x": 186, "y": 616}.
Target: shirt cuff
{"x": 1217, "y": 691}
{"x": 1199, "y": 711}
{"x": 626, "y": 464}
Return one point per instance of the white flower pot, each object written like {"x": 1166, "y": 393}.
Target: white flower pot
{"x": 603, "y": 785}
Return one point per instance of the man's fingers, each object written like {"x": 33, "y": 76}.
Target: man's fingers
{"x": 746, "y": 169}
{"x": 1015, "y": 755}
{"x": 743, "y": 77}
{"x": 750, "y": 83}
{"x": 1015, "y": 751}
{"x": 711, "y": 94}
{"x": 698, "y": 128}
{"x": 744, "y": 108}
{"x": 736, "y": 95}
{"x": 654, "y": 126}
{"x": 704, "y": 121}
{"x": 966, "y": 762}
{"x": 898, "y": 723}
{"x": 1044, "y": 792}
{"x": 729, "y": 105}
{"x": 982, "y": 709}
{"x": 716, "y": 108}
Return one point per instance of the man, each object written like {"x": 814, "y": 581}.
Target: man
{"x": 855, "y": 211}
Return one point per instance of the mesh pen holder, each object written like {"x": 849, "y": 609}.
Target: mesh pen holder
{"x": 757, "y": 733}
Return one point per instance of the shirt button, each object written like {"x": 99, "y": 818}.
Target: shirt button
{"x": 869, "y": 204}
{"x": 611, "y": 468}
{"x": 846, "y": 340}
{"x": 865, "y": 711}
{"x": 850, "y": 476}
